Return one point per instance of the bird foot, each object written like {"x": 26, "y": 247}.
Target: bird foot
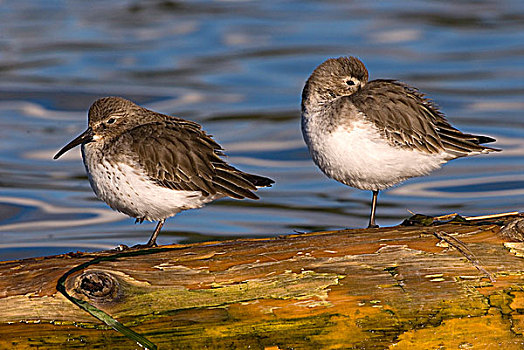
{"x": 123, "y": 247}
{"x": 145, "y": 246}
{"x": 373, "y": 226}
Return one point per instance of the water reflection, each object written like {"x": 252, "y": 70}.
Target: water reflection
{"x": 238, "y": 69}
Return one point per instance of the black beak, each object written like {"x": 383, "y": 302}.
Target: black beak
{"x": 85, "y": 137}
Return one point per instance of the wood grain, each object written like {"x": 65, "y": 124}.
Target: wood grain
{"x": 398, "y": 287}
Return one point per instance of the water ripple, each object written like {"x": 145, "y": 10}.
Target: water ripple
{"x": 238, "y": 68}
{"x": 481, "y": 187}
{"x": 67, "y": 219}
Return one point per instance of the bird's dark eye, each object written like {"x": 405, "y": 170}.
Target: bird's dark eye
{"x": 111, "y": 120}
{"x": 350, "y": 82}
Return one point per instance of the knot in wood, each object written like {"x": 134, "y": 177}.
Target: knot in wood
{"x": 97, "y": 285}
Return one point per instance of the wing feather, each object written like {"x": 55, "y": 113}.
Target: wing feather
{"x": 180, "y": 156}
{"x": 408, "y": 119}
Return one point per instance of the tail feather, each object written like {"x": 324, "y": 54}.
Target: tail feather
{"x": 236, "y": 183}
{"x": 460, "y": 144}
{"x": 232, "y": 190}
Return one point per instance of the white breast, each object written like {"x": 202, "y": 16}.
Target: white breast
{"x": 357, "y": 155}
{"x": 127, "y": 189}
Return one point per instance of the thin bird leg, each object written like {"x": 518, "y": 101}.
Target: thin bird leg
{"x": 152, "y": 240}
{"x": 373, "y": 208}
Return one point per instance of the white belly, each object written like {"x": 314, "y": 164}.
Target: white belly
{"x": 357, "y": 156}
{"x": 128, "y": 190}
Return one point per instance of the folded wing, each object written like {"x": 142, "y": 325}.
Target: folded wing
{"x": 178, "y": 155}
{"x": 408, "y": 119}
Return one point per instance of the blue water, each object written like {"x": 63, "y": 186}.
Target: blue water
{"x": 238, "y": 68}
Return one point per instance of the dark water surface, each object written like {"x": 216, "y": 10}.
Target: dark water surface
{"x": 238, "y": 68}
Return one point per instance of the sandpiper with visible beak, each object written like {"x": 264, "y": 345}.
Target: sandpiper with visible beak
{"x": 374, "y": 134}
{"x": 151, "y": 166}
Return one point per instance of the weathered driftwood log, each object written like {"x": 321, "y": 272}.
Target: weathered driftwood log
{"x": 415, "y": 287}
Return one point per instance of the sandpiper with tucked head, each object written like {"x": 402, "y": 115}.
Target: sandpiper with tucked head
{"x": 375, "y": 134}
{"x": 151, "y": 166}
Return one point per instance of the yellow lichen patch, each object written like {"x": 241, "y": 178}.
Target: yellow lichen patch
{"x": 343, "y": 332}
{"x": 516, "y": 248}
{"x": 356, "y": 321}
{"x": 517, "y": 304}
{"x": 487, "y": 332}
{"x": 517, "y": 324}
{"x": 467, "y": 307}
{"x": 502, "y": 301}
